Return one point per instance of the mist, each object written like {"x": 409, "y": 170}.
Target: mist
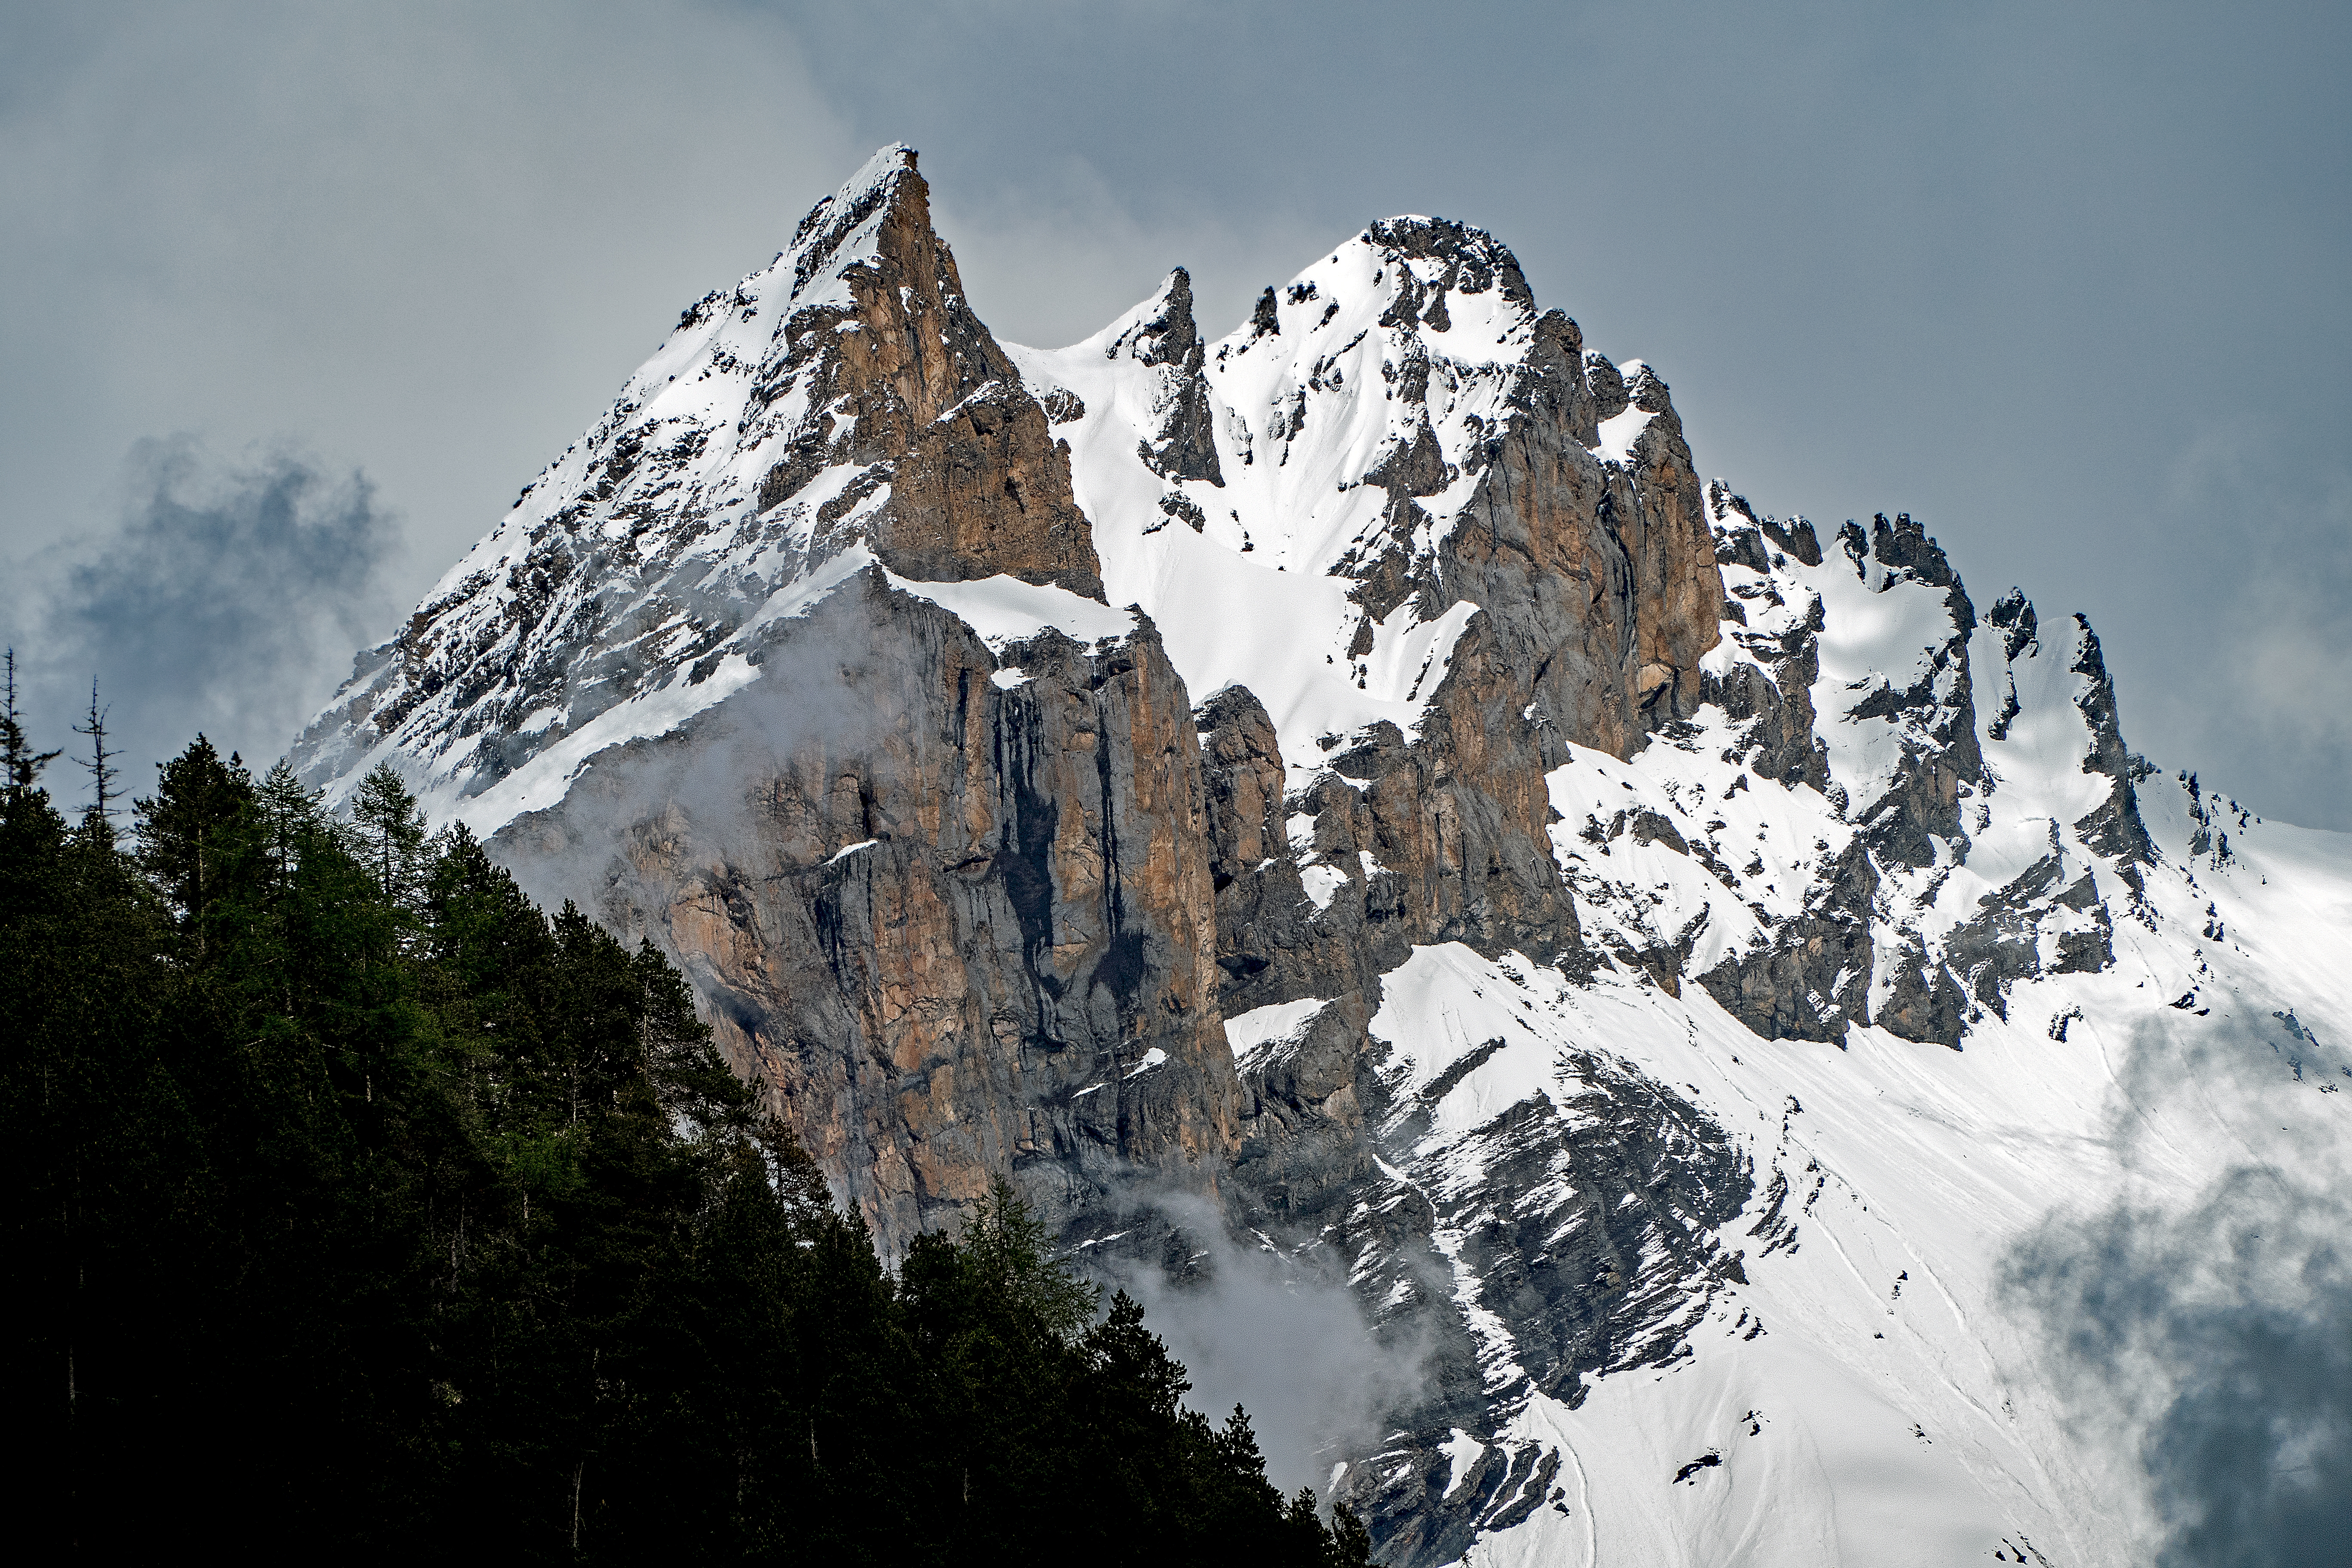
{"x": 1268, "y": 1331}
{"x": 705, "y": 779}
{"x": 226, "y": 599}
{"x": 2202, "y": 1350}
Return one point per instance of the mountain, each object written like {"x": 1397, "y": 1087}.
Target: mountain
{"x": 1347, "y": 802}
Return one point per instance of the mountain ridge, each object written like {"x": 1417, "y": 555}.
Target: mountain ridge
{"x": 1441, "y": 691}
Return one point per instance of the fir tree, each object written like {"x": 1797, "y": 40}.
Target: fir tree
{"x": 391, "y": 832}
{"x": 20, "y": 766}
{"x": 188, "y": 833}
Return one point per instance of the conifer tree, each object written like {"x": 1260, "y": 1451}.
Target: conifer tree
{"x": 20, "y": 766}
{"x": 355, "y": 1201}
{"x": 188, "y": 833}
{"x": 392, "y": 833}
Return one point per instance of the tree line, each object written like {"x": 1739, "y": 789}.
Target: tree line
{"x": 356, "y": 1203}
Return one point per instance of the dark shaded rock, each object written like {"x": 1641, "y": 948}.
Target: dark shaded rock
{"x": 2013, "y": 614}
{"x": 1776, "y": 713}
{"x": 1813, "y": 979}
{"x": 1183, "y": 446}
{"x": 1265, "y": 320}
{"x": 1413, "y": 466}
{"x": 1742, "y": 547}
{"x": 1596, "y": 1277}
{"x": 1905, "y": 546}
{"x": 1935, "y": 716}
{"x": 1441, "y": 839}
{"x": 2114, "y": 828}
{"x": 2000, "y": 944}
{"x": 1795, "y": 536}
{"x": 1606, "y": 386}
{"x": 1924, "y": 1002}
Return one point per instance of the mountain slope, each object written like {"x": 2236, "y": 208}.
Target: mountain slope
{"x": 1348, "y": 788}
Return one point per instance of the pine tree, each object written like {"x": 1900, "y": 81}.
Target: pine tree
{"x": 188, "y": 833}
{"x": 20, "y": 766}
{"x": 391, "y": 832}
{"x": 405, "y": 1219}
{"x": 1003, "y": 1247}
{"x": 1352, "y": 1543}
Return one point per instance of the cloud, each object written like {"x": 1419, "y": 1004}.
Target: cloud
{"x": 2203, "y": 1349}
{"x": 227, "y": 601}
{"x": 1264, "y": 1330}
{"x": 1980, "y": 272}
{"x": 2262, "y": 690}
{"x": 2223, "y": 1338}
{"x": 431, "y": 236}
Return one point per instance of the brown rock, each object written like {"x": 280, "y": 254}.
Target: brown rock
{"x": 913, "y": 384}
{"x": 958, "y": 928}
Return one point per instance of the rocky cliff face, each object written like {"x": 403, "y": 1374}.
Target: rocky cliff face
{"x": 944, "y": 890}
{"x": 946, "y": 900}
{"x": 1348, "y": 788}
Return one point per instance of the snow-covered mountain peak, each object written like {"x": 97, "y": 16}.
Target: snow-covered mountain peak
{"x": 840, "y": 408}
{"x": 1285, "y": 500}
{"x": 846, "y": 227}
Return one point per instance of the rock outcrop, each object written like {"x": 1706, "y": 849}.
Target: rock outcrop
{"x": 948, "y": 900}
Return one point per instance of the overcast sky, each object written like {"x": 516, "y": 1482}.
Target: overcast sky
{"x": 294, "y": 299}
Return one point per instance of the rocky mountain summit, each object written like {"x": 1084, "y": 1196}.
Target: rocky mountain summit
{"x": 1348, "y": 800}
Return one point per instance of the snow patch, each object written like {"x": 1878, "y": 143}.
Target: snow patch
{"x": 1254, "y": 1031}
{"x": 1462, "y": 1453}
{"x": 1005, "y": 610}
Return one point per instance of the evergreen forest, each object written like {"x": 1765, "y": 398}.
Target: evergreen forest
{"x": 355, "y": 1205}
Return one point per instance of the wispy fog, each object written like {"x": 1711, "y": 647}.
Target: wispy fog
{"x": 2203, "y": 1350}
{"x": 1282, "y": 1339}
{"x": 226, "y": 599}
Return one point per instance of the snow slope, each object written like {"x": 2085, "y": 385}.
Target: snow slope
{"x": 1248, "y": 577}
{"x": 1867, "y": 1385}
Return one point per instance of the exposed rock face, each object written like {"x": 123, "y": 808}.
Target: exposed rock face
{"x": 899, "y": 380}
{"x": 1392, "y": 845}
{"x": 1516, "y": 580}
{"x": 844, "y": 397}
{"x": 1596, "y": 578}
{"x": 1863, "y": 949}
{"x": 947, "y": 901}
{"x": 2002, "y": 945}
{"x": 1812, "y": 981}
{"x": 2114, "y": 827}
{"x": 1939, "y": 748}
{"x": 1771, "y": 698}
{"x": 1182, "y": 446}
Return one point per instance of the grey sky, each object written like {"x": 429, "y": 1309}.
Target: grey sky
{"x": 2074, "y": 286}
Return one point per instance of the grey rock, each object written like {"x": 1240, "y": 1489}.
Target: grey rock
{"x": 1606, "y": 386}
{"x": 1183, "y": 446}
{"x": 947, "y": 925}
{"x": 2114, "y": 827}
{"x": 1813, "y": 979}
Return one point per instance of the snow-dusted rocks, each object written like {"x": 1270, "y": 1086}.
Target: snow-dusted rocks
{"x": 840, "y": 408}
{"x": 1346, "y": 784}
